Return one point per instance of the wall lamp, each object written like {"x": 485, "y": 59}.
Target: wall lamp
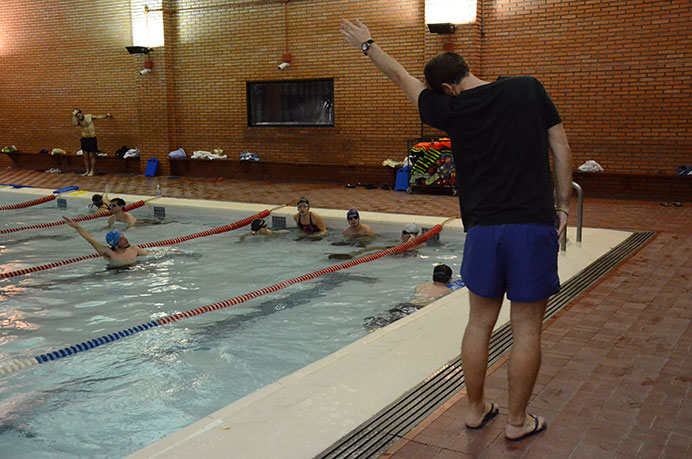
{"x": 138, "y": 49}
{"x": 442, "y": 29}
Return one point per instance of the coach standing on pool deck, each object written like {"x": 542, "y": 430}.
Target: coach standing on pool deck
{"x": 501, "y": 133}
{"x": 88, "y": 142}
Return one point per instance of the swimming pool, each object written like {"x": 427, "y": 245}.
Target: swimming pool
{"x": 149, "y": 385}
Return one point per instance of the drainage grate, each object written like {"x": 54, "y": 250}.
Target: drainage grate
{"x": 376, "y": 435}
{"x": 278, "y": 223}
{"x": 62, "y": 203}
{"x": 159, "y": 212}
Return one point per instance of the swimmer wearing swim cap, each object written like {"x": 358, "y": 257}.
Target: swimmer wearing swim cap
{"x": 309, "y": 223}
{"x": 119, "y": 251}
{"x": 97, "y": 203}
{"x": 442, "y": 274}
{"x": 356, "y": 229}
{"x": 411, "y": 230}
{"x": 259, "y": 226}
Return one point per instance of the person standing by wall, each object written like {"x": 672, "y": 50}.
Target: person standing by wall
{"x": 501, "y": 132}
{"x": 88, "y": 141}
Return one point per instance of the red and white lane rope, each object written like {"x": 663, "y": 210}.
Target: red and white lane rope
{"x": 127, "y": 208}
{"x": 19, "y": 364}
{"x": 273, "y": 288}
{"x": 220, "y": 229}
{"x": 35, "y": 202}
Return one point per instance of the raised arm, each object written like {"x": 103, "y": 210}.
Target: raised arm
{"x": 356, "y": 33}
{"x": 100, "y": 117}
{"x": 100, "y": 248}
{"x": 562, "y": 171}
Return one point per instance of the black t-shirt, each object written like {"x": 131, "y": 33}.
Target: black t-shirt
{"x": 500, "y": 144}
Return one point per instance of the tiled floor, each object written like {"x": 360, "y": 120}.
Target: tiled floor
{"x": 616, "y": 379}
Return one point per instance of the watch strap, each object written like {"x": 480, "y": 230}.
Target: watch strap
{"x": 366, "y": 46}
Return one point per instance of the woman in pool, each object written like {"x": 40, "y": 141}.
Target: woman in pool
{"x": 309, "y": 222}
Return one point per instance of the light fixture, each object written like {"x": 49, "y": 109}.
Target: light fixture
{"x": 442, "y": 29}
{"x": 138, "y": 49}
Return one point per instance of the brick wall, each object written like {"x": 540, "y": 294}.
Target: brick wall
{"x": 620, "y": 73}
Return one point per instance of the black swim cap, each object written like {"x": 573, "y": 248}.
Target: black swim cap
{"x": 303, "y": 200}
{"x": 97, "y": 199}
{"x": 442, "y": 274}
{"x": 257, "y": 224}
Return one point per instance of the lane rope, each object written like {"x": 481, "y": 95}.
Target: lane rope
{"x": 19, "y": 364}
{"x": 34, "y": 202}
{"x": 38, "y": 201}
{"x": 127, "y": 208}
{"x": 220, "y": 229}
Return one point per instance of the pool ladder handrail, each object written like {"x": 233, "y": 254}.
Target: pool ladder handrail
{"x": 580, "y": 212}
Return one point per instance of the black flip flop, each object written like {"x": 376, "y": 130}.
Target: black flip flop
{"x": 677, "y": 203}
{"x": 666, "y": 203}
{"x": 536, "y": 430}
{"x": 494, "y": 411}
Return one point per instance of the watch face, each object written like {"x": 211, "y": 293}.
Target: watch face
{"x": 365, "y": 46}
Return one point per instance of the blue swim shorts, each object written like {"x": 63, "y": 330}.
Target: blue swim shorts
{"x": 519, "y": 259}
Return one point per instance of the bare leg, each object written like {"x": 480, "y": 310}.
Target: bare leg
{"x": 85, "y": 156}
{"x": 474, "y": 352}
{"x": 92, "y": 163}
{"x": 524, "y": 362}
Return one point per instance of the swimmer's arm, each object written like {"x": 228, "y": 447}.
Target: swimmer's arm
{"x": 141, "y": 252}
{"x": 320, "y": 225}
{"x": 111, "y": 220}
{"x": 100, "y": 248}
{"x": 131, "y": 221}
{"x": 356, "y": 34}
{"x": 100, "y": 117}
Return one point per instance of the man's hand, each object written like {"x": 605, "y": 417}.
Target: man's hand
{"x": 70, "y": 222}
{"x": 356, "y": 33}
{"x": 562, "y": 224}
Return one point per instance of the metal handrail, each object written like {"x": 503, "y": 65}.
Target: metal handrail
{"x": 580, "y": 213}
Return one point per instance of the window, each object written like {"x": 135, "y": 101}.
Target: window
{"x": 291, "y": 103}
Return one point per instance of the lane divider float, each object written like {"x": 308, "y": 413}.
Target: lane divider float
{"x": 19, "y": 364}
{"x": 218, "y": 230}
{"x": 35, "y": 202}
{"x": 127, "y": 208}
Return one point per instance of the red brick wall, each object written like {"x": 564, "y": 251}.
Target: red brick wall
{"x": 619, "y": 72}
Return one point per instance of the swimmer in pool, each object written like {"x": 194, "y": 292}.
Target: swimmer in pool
{"x": 411, "y": 230}
{"x": 119, "y": 251}
{"x": 119, "y": 215}
{"x": 258, "y": 227}
{"x": 97, "y": 204}
{"x": 310, "y": 224}
{"x": 428, "y": 291}
{"x": 424, "y": 295}
{"x": 356, "y": 229}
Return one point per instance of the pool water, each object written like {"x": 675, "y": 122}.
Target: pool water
{"x": 118, "y": 398}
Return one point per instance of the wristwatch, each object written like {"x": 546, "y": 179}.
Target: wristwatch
{"x": 366, "y": 46}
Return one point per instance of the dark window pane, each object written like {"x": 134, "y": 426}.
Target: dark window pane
{"x": 291, "y": 103}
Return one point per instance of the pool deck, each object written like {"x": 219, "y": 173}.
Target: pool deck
{"x": 616, "y": 379}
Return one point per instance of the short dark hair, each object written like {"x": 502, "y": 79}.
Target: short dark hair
{"x": 118, "y": 201}
{"x": 447, "y": 68}
{"x": 442, "y": 274}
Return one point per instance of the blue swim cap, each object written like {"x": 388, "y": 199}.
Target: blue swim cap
{"x": 113, "y": 237}
{"x": 352, "y": 213}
